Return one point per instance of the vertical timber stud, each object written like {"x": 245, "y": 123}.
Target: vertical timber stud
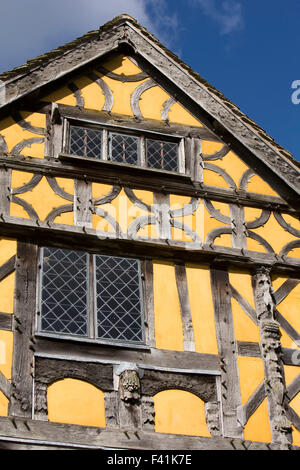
{"x": 147, "y": 277}
{"x": 24, "y": 314}
{"x": 275, "y": 388}
{"x": 186, "y": 316}
{"x": 239, "y": 239}
{"x": 5, "y": 190}
{"x": 230, "y": 386}
{"x": 83, "y": 203}
{"x": 162, "y": 215}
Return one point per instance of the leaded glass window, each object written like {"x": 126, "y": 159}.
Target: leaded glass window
{"x": 124, "y": 148}
{"x": 118, "y": 298}
{"x": 139, "y": 150}
{"x": 66, "y": 287}
{"x": 162, "y": 154}
{"x": 85, "y": 141}
{"x": 64, "y": 296}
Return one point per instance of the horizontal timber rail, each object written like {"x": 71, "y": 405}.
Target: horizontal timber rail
{"x": 58, "y": 235}
{"x": 69, "y": 166}
{"x": 57, "y": 434}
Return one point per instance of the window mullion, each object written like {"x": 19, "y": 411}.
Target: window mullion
{"x": 92, "y": 304}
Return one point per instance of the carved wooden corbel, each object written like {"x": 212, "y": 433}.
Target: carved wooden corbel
{"x": 130, "y": 387}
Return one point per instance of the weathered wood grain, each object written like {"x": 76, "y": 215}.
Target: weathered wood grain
{"x": 24, "y": 314}
{"x": 230, "y": 391}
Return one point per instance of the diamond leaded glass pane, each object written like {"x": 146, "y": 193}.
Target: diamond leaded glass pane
{"x": 162, "y": 154}
{"x": 124, "y": 148}
{"x": 64, "y": 292}
{"x": 118, "y": 299}
{"x": 85, "y": 142}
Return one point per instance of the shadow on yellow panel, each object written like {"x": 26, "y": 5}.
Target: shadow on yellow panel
{"x": 258, "y": 427}
{"x": 73, "y": 401}
{"x": 179, "y": 412}
{"x": 3, "y": 405}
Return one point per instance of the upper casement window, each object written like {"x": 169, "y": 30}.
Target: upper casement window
{"x": 132, "y": 148}
{"x": 91, "y": 296}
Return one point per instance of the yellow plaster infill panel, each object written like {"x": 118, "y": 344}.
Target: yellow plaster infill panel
{"x": 3, "y": 405}
{"x": 245, "y": 329}
{"x": 258, "y": 185}
{"x": 35, "y": 119}
{"x": 62, "y": 96}
{"x": 121, "y": 64}
{"x": 224, "y": 240}
{"x": 91, "y": 92}
{"x": 72, "y": 401}
{"x": 42, "y": 198}
{"x": 210, "y": 223}
{"x": 258, "y": 426}
{"x": 122, "y": 92}
{"x": 202, "y": 311}
{"x": 211, "y": 178}
{"x": 273, "y": 233}
{"x": 7, "y": 289}
{"x": 290, "y": 374}
{"x": 233, "y": 165}
{"x": 100, "y": 190}
{"x": 179, "y": 115}
{"x": 251, "y": 373}
{"x": 8, "y": 248}
{"x": 168, "y": 324}
{"x": 179, "y": 202}
{"x": 179, "y": 412}
{"x": 14, "y": 134}
{"x": 151, "y": 102}
{"x": 6, "y": 351}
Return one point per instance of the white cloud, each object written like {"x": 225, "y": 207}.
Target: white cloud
{"x": 228, "y": 14}
{"x": 32, "y": 27}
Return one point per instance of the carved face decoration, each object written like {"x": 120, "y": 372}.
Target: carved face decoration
{"x": 130, "y": 386}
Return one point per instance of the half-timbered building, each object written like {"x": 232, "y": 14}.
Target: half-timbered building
{"x": 149, "y": 257}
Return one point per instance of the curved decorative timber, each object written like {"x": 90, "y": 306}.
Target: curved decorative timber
{"x": 217, "y": 155}
{"x": 260, "y": 240}
{"x": 58, "y": 211}
{"x": 215, "y": 213}
{"x": 137, "y": 77}
{"x": 105, "y": 215}
{"x": 140, "y": 223}
{"x": 26, "y": 206}
{"x": 109, "y": 99}
{"x": 285, "y": 225}
{"x": 26, "y": 143}
{"x": 136, "y": 96}
{"x": 289, "y": 247}
{"x": 187, "y": 209}
{"x": 246, "y": 178}
{"x": 220, "y": 172}
{"x": 113, "y": 193}
{"x": 187, "y": 230}
{"x": 26, "y": 125}
{"x": 3, "y": 145}
{"x": 77, "y": 93}
{"x": 166, "y": 108}
{"x": 260, "y": 221}
{"x": 58, "y": 189}
{"x": 28, "y": 186}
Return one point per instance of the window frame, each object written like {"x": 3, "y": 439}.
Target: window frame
{"x": 140, "y": 133}
{"x": 91, "y": 336}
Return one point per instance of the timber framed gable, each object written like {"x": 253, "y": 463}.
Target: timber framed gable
{"x": 149, "y": 255}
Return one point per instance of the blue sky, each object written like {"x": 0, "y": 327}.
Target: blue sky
{"x": 246, "y": 49}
